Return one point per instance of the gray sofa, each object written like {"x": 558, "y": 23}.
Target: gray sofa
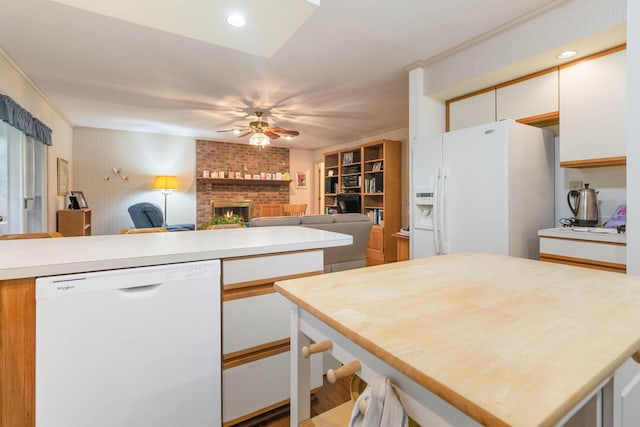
{"x": 339, "y": 258}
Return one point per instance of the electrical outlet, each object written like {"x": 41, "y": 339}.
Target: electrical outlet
{"x": 575, "y": 185}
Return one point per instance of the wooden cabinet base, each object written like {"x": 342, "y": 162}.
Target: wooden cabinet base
{"x": 17, "y": 354}
{"x": 582, "y": 262}
{"x": 374, "y": 257}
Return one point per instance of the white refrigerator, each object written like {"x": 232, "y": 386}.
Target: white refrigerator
{"x": 487, "y": 188}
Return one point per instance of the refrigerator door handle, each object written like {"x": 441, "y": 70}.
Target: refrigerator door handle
{"x": 442, "y": 197}
{"x": 436, "y": 216}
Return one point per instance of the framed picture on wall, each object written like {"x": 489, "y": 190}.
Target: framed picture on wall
{"x": 301, "y": 180}
{"x": 63, "y": 177}
{"x": 82, "y": 202}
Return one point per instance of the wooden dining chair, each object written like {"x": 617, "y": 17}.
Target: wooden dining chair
{"x": 294, "y": 210}
{"x": 270, "y": 209}
{"x": 30, "y": 236}
{"x": 143, "y": 230}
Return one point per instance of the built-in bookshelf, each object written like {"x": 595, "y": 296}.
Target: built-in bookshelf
{"x": 373, "y": 171}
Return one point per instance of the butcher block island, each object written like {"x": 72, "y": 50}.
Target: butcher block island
{"x": 251, "y": 320}
{"x": 477, "y": 339}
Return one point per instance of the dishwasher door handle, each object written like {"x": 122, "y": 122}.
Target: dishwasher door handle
{"x": 143, "y": 288}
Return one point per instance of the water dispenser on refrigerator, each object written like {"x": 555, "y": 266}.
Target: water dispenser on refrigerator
{"x": 423, "y": 208}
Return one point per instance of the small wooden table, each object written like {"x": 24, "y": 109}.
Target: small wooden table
{"x": 402, "y": 247}
{"x": 476, "y": 339}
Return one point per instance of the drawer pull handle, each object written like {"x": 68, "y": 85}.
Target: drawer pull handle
{"x": 636, "y": 356}
{"x": 343, "y": 371}
{"x": 316, "y": 348}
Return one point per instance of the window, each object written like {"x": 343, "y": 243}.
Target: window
{"x": 22, "y": 182}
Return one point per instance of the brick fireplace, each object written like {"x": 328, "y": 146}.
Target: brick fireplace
{"x": 242, "y": 159}
{"x": 242, "y": 208}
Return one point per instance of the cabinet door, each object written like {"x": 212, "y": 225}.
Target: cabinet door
{"x": 474, "y": 110}
{"x": 528, "y": 98}
{"x": 593, "y": 109}
{"x": 626, "y": 395}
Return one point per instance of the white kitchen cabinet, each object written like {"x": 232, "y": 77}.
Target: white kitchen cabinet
{"x": 528, "y": 98}
{"x": 250, "y": 322}
{"x": 593, "y": 111}
{"x": 584, "y": 249}
{"x": 255, "y": 332}
{"x": 472, "y": 110}
{"x": 621, "y": 397}
{"x": 264, "y": 383}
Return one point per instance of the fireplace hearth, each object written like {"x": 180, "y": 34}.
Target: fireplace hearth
{"x": 242, "y": 208}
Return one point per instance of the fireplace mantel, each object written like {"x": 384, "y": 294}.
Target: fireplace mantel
{"x": 230, "y": 181}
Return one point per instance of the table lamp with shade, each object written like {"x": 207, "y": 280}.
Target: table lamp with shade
{"x": 165, "y": 183}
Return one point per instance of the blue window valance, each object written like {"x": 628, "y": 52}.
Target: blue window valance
{"x": 16, "y": 116}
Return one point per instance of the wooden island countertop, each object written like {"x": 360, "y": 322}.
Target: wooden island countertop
{"x": 508, "y": 341}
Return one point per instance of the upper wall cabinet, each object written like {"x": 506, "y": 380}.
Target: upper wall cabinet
{"x": 532, "y": 97}
{"x": 593, "y": 112}
{"x": 472, "y": 110}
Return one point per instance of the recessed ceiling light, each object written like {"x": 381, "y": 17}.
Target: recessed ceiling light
{"x": 236, "y": 131}
{"x": 566, "y": 54}
{"x": 236, "y": 20}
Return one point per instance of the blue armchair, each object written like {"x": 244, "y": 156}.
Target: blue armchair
{"x": 148, "y": 215}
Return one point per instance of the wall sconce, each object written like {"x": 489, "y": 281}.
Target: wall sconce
{"x": 116, "y": 172}
{"x": 165, "y": 183}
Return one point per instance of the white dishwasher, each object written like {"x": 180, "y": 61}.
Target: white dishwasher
{"x": 133, "y": 347}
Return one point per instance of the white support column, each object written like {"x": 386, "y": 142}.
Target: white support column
{"x": 426, "y": 115}
{"x": 633, "y": 137}
{"x": 300, "y": 406}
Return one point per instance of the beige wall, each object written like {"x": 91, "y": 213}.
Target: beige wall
{"x": 14, "y": 83}
{"x": 140, "y": 157}
{"x": 301, "y": 160}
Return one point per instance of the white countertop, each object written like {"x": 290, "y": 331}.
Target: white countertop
{"x": 596, "y": 234}
{"x": 45, "y": 257}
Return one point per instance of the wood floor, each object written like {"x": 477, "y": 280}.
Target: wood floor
{"x": 329, "y": 396}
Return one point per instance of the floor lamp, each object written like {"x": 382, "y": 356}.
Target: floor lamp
{"x": 165, "y": 183}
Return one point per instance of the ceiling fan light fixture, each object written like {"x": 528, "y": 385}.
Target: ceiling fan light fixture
{"x": 259, "y": 139}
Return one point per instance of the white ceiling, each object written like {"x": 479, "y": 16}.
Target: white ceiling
{"x": 340, "y": 77}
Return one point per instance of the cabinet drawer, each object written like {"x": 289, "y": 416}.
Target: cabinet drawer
{"x": 615, "y": 253}
{"x": 262, "y": 269}
{"x": 248, "y": 389}
{"x": 249, "y": 322}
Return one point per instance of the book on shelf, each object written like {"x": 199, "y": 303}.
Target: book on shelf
{"x": 376, "y": 216}
{"x": 373, "y": 184}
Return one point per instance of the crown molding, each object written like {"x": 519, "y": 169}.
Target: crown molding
{"x": 15, "y": 66}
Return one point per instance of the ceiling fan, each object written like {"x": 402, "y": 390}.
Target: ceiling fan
{"x": 262, "y": 132}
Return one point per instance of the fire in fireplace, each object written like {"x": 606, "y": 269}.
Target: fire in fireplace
{"x": 242, "y": 208}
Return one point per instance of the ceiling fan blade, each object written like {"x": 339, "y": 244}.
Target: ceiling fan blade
{"x": 225, "y": 130}
{"x": 244, "y": 134}
{"x": 271, "y": 134}
{"x": 285, "y": 131}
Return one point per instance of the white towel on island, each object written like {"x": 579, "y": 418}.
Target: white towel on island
{"x": 383, "y": 409}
